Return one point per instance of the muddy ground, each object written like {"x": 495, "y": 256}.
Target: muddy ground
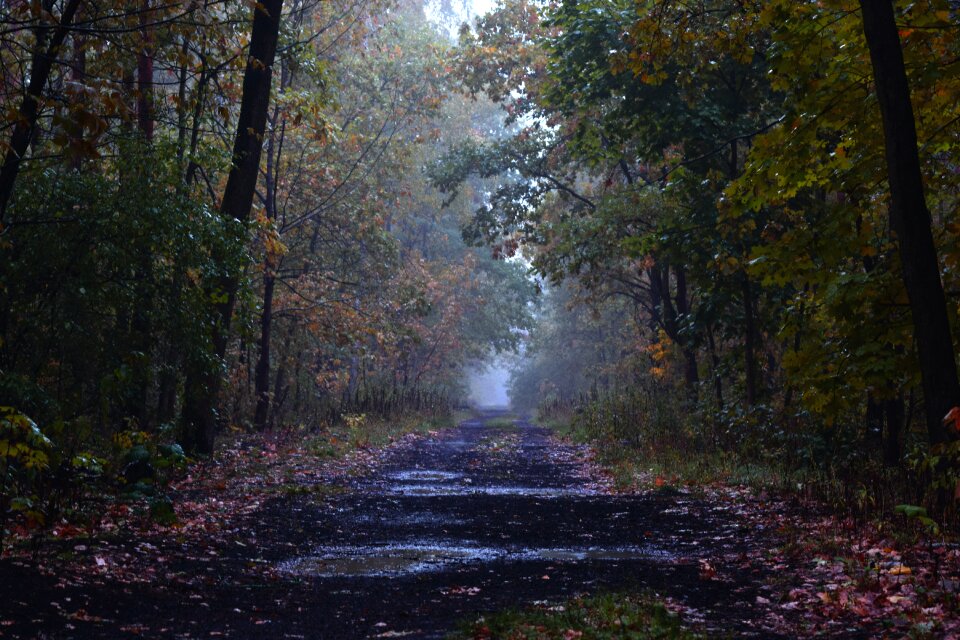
{"x": 473, "y": 519}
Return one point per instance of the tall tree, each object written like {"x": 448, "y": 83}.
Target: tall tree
{"x": 910, "y": 218}
{"x": 203, "y": 383}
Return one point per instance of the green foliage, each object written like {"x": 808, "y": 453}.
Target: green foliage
{"x": 24, "y": 457}
{"x": 132, "y": 255}
{"x": 162, "y": 512}
{"x": 143, "y": 465}
{"x": 919, "y": 514}
{"x": 21, "y": 442}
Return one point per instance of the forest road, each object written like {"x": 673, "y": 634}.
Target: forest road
{"x": 491, "y": 514}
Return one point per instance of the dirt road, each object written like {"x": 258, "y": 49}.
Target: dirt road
{"x": 484, "y": 516}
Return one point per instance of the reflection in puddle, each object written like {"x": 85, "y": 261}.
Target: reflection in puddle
{"x": 612, "y": 555}
{"x": 415, "y": 518}
{"x": 406, "y": 559}
{"x": 447, "y": 444}
{"x": 495, "y": 490}
{"x": 384, "y": 561}
{"x": 425, "y": 475}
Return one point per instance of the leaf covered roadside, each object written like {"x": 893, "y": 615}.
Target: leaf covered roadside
{"x": 827, "y": 575}
{"x": 124, "y": 542}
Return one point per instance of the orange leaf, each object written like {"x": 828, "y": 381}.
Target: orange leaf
{"x": 953, "y": 416}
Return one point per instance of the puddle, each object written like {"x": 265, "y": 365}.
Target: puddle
{"x": 406, "y": 559}
{"x": 494, "y": 490}
{"x": 416, "y": 518}
{"x": 425, "y": 475}
{"x": 610, "y": 555}
{"x": 448, "y": 444}
{"x": 385, "y": 561}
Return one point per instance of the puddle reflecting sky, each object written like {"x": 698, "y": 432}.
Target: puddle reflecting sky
{"x": 488, "y": 490}
{"x": 395, "y": 560}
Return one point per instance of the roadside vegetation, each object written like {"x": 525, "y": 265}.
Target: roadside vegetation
{"x": 602, "y": 617}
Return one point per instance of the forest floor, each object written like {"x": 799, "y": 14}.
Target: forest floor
{"x": 414, "y": 538}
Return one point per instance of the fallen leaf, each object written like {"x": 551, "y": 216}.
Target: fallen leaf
{"x": 953, "y": 416}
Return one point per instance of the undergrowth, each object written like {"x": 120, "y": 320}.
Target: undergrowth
{"x": 49, "y": 486}
{"x": 359, "y": 431}
{"x": 600, "y": 617}
{"x": 655, "y": 436}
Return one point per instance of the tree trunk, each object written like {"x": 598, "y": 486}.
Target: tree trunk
{"x": 691, "y": 373}
{"x": 199, "y": 408}
{"x": 145, "y": 74}
{"x": 167, "y": 391}
{"x": 910, "y": 218}
{"x": 23, "y": 131}
{"x": 262, "y": 374}
{"x": 894, "y": 409}
{"x": 201, "y": 397}
{"x": 280, "y": 386}
{"x": 874, "y": 419}
{"x": 715, "y": 361}
{"x": 141, "y": 325}
{"x": 79, "y": 76}
{"x": 749, "y": 341}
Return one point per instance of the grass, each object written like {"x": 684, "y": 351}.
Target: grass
{"x": 671, "y": 460}
{"x": 662, "y": 455}
{"x": 506, "y": 423}
{"x": 600, "y": 617}
{"x": 563, "y": 427}
{"x": 362, "y": 432}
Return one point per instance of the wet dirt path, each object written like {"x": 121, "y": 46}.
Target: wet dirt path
{"x": 484, "y": 516}
{"x": 480, "y": 518}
